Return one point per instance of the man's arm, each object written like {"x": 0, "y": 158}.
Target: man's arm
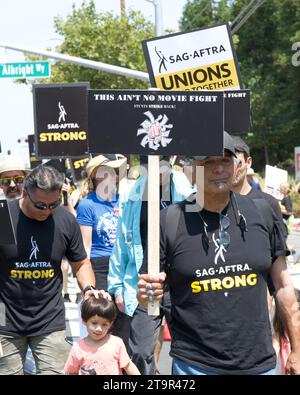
{"x": 288, "y": 309}
{"x": 86, "y": 232}
{"x": 84, "y": 273}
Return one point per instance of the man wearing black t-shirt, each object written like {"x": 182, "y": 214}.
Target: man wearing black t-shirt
{"x": 217, "y": 268}
{"x": 240, "y": 183}
{"x": 31, "y": 305}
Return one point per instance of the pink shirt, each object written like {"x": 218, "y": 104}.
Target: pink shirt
{"x": 109, "y": 357}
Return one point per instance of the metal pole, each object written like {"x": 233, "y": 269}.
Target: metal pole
{"x": 158, "y": 18}
{"x": 140, "y": 75}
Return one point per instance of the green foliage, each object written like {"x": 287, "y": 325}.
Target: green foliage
{"x": 104, "y": 38}
{"x": 264, "y": 54}
{"x": 201, "y": 13}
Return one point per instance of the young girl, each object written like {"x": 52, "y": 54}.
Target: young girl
{"x": 100, "y": 353}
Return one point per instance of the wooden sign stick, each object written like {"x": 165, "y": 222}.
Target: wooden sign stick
{"x": 153, "y": 224}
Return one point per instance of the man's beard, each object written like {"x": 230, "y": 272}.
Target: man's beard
{"x": 14, "y": 190}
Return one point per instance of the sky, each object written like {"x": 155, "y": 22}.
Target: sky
{"x": 31, "y": 23}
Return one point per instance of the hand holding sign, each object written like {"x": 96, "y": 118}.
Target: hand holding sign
{"x": 153, "y": 283}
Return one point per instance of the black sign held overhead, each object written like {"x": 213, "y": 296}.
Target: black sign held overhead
{"x": 237, "y": 111}
{"x": 156, "y": 122}
{"x": 60, "y": 118}
{"x": 34, "y": 161}
{"x": 78, "y": 166}
{"x": 7, "y": 233}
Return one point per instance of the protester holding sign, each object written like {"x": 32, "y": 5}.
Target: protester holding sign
{"x": 31, "y": 278}
{"x": 216, "y": 265}
{"x": 129, "y": 259}
{"x": 12, "y": 174}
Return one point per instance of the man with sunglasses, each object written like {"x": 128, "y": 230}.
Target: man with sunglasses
{"x": 12, "y": 175}
{"x": 216, "y": 263}
{"x": 32, "y": 309}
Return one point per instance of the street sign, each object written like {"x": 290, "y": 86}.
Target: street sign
{"x": 25, "y": 70}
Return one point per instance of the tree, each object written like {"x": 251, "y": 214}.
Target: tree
{"x": 105, "y": 38}
{"x": 201, "y": 13}
{"x": 267, "y": 70}
{"x": 264, "y": 54}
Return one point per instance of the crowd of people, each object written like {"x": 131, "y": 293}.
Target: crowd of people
{"x": 223, "y": 269}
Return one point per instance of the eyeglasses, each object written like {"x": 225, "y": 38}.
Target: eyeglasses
{"x": 224, "y": 237}
{"x": 6, "y": 181}
{"x": 44, "y": 206}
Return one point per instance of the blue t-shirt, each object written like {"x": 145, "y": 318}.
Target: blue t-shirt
{"x": 103, "y": 217}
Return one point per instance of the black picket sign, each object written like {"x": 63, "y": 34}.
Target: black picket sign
{"x": 7, "y": 233}
{"x": 156, "y": 122}
{"x": 34, "y": 161}
{"x": 237, "y": 111}
{"x": 60, "y": 117}
{"x": 78, "y": 165}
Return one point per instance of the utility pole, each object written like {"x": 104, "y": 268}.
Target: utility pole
{"x": 158, "y": 16}
{"x": 122, "y": 8}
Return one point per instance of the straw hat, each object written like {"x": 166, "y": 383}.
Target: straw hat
{"x": 114, "y": 161}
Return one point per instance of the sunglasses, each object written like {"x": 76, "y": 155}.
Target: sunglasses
{"x": 224, "y": 237}
{"x": 6, "y": 181}
{"x": 44, "y": 206}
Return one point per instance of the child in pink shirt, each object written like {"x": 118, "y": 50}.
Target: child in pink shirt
{"x": 100, "y": 353}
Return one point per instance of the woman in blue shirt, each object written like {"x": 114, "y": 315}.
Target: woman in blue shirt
{"x": 97, "y": 213}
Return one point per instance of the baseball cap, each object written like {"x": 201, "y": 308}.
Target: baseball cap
{"x": 228, "y": 145}
{"x": 11, "y": 163}
{"x": 110, "y": 160}
{"x": 240, "y": 145}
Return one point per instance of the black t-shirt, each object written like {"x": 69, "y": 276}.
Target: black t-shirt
{"x": 144, "y": 232}
{"x": 288, "y": 204}
{"x": 256, "y": 194}
{"x": 274, "y": 204}
{"x": 30, "y": 273}
{"x": 220, "y": 319}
